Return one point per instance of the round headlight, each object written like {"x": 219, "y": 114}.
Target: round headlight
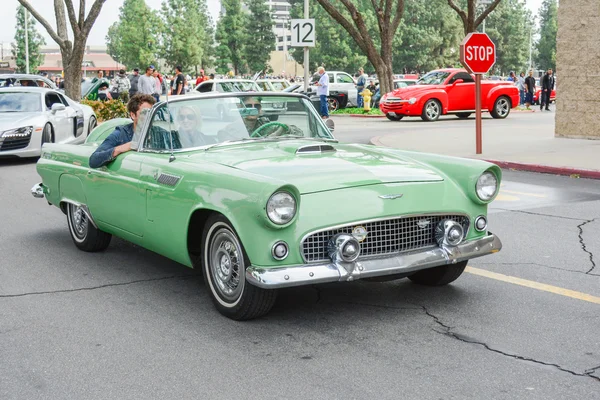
{"x": 487, "y": 186}
{"x": 281, "y": 208}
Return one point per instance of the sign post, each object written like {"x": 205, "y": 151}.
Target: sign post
{"x": 303, "y": 35}
{"x": 477, "y": 55}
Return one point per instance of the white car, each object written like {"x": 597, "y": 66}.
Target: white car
{"x": 32, "y": 116}
{"x": 341, "y": 82}
{"x": 273, "y": 85}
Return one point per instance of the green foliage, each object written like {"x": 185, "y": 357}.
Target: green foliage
{"x": 184, "y": 37}
{"x": 334, "y": 49}
{"x": 546, "y": 47}
{"x": 106, "y": 110}
{"x": 509, "y": 26}
{"x": 361, "y": 111}
{"x": 35, "y": 41}
{"x": 230, "y": 33}
{"x": 260, "y": 39}
{"x": 133, "y": 39}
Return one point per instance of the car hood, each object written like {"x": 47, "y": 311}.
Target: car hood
{"x": 11, "y": 120}
{"x": 339, "y": 166}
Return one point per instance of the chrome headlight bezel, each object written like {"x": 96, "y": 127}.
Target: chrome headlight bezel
{"x": 24, "y": 131}
{"x": 276, "y": 207}
{"x": 483, "y": 186}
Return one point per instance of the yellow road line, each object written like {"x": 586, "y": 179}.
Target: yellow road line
{"x": 534, "y": 285}
{"x": 523, "y": 193}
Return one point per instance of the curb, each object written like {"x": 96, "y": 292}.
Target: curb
{"x": 543, "y": 169}
{"x": 357, "y": 116}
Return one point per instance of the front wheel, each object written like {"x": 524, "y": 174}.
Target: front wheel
{"x": 224, "y": 266}
{"x": 501, "y": 107}
{"x": 84, "y": 234}
{"x": 439, "y": 276}
{"x": 394, "y": 117}
{"x": 431, "y": 110}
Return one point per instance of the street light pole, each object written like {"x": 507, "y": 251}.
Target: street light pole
{"x": 26, "y": 41}
{"x": 305, "y": 51}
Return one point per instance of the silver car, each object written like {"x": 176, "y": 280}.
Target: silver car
{"x": 32, "y": 116}
{"x": 8, "y": 80}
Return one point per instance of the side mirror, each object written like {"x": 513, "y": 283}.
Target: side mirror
{"x": 458, "y": 81}
{"x": 57, "y": 107}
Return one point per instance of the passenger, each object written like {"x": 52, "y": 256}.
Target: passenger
{"x": 190, "y": 125}
{"x": 119, "y": 141}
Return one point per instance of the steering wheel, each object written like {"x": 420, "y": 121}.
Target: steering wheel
{"x": 258, "y": 131}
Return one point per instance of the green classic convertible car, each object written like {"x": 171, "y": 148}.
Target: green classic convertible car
{"x": 261, "y": 204}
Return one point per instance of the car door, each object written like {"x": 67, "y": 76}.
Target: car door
{"x": 76, "y": 114}
{"x": 61, "y": 120}
{"x": 461, "y": 95}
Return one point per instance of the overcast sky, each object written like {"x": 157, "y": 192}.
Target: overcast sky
{"x": 107, "y": 17}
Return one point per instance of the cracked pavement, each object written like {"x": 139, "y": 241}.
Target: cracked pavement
{"x": 127, "y": 323}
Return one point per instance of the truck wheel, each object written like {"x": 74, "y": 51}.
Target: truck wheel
{"x": 431, "y": 110}
{"x": 501, "y": 108}
{"x": 84, "y": 234}
{"x": 464, "y": 115}
{"x": 394, "y": 117}
{"x": 224, "y": 264}
{"x": 333, "y": 104}
{"x": 439, "y": 276}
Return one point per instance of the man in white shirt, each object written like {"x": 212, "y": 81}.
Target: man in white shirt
{"x": 323, "y": 92}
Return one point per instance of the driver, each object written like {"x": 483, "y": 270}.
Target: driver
{"x": 253, "y": 122}
{"x": 190, "y": 123}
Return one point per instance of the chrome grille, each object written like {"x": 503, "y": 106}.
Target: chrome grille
{"x": 387, "y": 236}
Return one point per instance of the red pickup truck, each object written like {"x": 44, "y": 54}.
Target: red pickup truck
{"x": 449, "y": 91}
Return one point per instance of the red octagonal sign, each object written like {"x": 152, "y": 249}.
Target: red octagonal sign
{"x": 477, "y": 53}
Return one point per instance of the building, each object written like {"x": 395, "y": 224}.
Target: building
{"x": 578, "y": 66}
{"x": 281, "y": 23}
{"x": 94, "y": 60}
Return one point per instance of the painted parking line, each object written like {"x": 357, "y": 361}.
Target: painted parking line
{"x": 534, "y": 285}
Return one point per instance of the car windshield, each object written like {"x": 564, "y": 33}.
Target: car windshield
{"x": 433, "y": 78}
{"x": 240, "y": 86}
{"x": 280, "y": 85}
{"x": 197, "y": 122}
{"x": 20, "y": 102}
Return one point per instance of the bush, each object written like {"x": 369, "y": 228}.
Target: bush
{"x": 109, "y": 109}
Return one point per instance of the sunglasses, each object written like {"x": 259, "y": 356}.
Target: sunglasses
{"x": 189, "y": 117}
{"x": 257, "y": 106}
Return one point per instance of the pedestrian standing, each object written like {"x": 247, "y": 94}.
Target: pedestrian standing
{"x": 121, "y": 86}
{"x": 201, "y": 78}
{"x": 133, "y": 82}
{"x": 521, "y": 86}
{"x": 360, "y": 86}
{"x": 98, "y": 77}
{"x": 511, "y": 77}
{"x": 547, "y": 87}
{"x": 179, "y": 85}
{"x": 530, "y": 89}
{"x": 157, "y": 85}
{"x": 146, "y": 82}
{"x": 323, "y": 92}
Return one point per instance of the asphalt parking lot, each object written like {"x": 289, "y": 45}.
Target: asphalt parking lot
{"x": 127, "y": 323}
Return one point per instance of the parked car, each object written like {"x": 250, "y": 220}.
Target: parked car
{"x": 227, "y": 107}
{"x": 269, "y": 204}
{"x": 7, "y": 80}
{"x": 33, "y": 116}
{"x": 273, "y": 85}
{"x": 400, "y": 83}
{"x": 89, "y": 88}
{"x": 449, "y": 91}
{"x": 342, "y": 90}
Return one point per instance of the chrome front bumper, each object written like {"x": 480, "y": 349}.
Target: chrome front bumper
{"x": 308, "y": 274}
{"x": 38, "y": 191}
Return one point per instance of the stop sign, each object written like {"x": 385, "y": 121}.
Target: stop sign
{"x": 477, "y": 53}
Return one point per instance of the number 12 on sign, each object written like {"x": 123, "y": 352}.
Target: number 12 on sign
{"x": 303, "y": 32}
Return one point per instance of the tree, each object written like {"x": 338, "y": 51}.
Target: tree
{"x": 259, "y": 36}
{"x": 35, "y": 41}
{"x": 469, "y": 18}
{"x": 509, "y": 26}
{"x": 133, "y": 39}
{"x": 334, "y": 48}
{"x": 376, "y": 44}
{"x": 548, "y": 28}
{"x": 230, "y": 32}
{"x": 71, "y": 51}
{"x": 208, "y": 44}
{"x": 184, "y": 34}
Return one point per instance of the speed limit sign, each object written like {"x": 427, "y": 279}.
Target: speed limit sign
{"x": 303, "y": 33}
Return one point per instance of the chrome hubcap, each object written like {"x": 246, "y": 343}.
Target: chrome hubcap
{"x": 79, "y": 222}
{"x": 227, "y": 265}
{"x": 502, "y": 107}
{"x": 432, "y": 110}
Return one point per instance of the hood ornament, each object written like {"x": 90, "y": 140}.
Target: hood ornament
{"x": 391, "y": 196}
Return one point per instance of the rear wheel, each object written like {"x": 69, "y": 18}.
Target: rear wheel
{"x": 463, "y": 115}
{"x": 333, "y": 103}
{"x": 431, "y": 110}
{"x": 394, "y": 117}
{"x": 439, "y": 276}
{"x": 224, "y": 266}
{"x": 501, "y": 107}
{"x": 84, "y": 234}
